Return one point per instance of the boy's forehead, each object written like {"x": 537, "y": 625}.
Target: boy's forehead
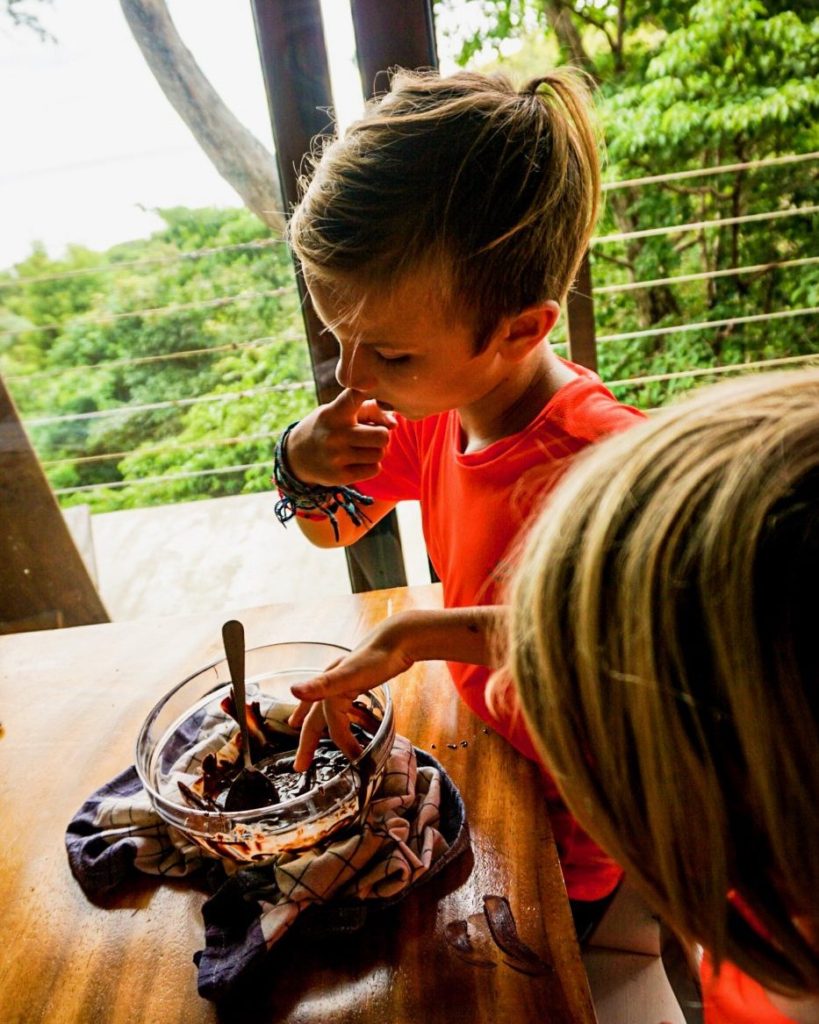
{"x": 370, "y": 307}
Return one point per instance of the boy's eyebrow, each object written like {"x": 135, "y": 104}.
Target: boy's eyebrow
{"x": 357, "y": 339}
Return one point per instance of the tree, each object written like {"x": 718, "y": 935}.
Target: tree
{"x": 234, "y": 151}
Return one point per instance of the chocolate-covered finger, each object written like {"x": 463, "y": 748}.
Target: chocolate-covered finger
{"x": 311, "y": 732}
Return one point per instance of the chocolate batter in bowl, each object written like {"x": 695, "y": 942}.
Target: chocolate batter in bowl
{"x": 188, "y": 750}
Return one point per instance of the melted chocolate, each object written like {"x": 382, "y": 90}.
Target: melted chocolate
{"x": 273, "y": 779}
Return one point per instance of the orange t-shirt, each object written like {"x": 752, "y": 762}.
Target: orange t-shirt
{"x": 731, "y": 997}
{"x": 475, "y": 508}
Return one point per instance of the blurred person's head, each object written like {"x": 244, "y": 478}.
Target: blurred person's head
{"x": 665, "y": 647}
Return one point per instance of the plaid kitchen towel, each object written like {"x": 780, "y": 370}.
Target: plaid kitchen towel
{"x": 415, "y": 824}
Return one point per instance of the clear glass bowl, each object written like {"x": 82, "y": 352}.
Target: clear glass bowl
{"x": 189, "y": 722}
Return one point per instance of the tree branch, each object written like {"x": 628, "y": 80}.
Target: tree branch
{"x": 559, "y": 16}
{"x": 614, "y": 259}
{"x": 234, "y": 151}
{"x": 600, "y": 26}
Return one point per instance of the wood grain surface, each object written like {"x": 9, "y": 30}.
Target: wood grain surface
{"x": 71, "y": 704}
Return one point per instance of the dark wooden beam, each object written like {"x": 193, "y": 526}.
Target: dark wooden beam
{"x": 43, "y": 582}
{"x": 392, "y": 33}
{"x": 580, "y": 319}
{"x": 388, "y": 34}
{"x": 291, "y": 44}
{"x": 290, "y": 37}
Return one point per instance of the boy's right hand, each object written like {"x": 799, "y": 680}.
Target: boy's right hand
{"x": 341, "y": 442}
{"x": 326, "y": 700}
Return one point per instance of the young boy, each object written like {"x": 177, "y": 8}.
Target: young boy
{"x": 438, "y": 239}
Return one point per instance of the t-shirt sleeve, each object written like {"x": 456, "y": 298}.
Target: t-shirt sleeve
{"x": 592, "y": 412}
{"x": 400, "y": 476}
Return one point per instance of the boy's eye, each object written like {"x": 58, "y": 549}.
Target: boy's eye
{"x": 391, "y": 359}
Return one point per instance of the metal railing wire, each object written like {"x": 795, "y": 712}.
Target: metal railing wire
{"x": 193, "y": 254}
{"x": 181, "y": 307}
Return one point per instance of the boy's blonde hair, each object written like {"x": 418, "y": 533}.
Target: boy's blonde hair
{"x": 665, "y": 645}
{"x": 494, "y": 190}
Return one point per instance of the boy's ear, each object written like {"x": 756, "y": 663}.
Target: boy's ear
{"x": 526, "y": 329}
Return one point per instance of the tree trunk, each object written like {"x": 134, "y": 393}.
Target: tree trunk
{"x": 234, "y": 151}
{"x": 560, "y": 21}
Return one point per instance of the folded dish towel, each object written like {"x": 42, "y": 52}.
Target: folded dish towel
{"x": 414, "y": 826}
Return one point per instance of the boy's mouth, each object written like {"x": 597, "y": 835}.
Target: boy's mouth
{"x": 384, "y": 405}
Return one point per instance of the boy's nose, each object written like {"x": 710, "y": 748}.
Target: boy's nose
{"x": 352, "y": 370}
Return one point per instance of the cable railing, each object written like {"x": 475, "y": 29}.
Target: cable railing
{"x": 180, "y": 307}
{"x": 724, "y": 321}
{"x": 171, "y": 403}
{"x": 730, "y": 321}
{"x": 703, "y": 172}
{"x": 706, "y": 225}
{"x": 781, "y": 262}
{"x": 159, "y": 357}
{"x": 168, "y": 478}
{"x": 151, "y": 261}
{"x": 705, "y": 275}
{"x": 171, "y": 446}
{"x": 708, "y": 371}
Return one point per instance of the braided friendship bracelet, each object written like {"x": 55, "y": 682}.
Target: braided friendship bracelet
{"x": 298, "y": 498}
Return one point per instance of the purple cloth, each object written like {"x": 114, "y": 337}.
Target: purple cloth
{"x": 415, "y": 826}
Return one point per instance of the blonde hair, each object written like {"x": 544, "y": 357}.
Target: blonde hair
{"x": 665, "y": 648}
{"x": 495, "y": 190}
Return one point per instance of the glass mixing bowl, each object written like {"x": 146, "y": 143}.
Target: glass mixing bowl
{"x": 189, "y": 722}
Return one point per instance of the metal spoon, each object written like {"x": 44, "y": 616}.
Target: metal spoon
{"x": 251, "y": 788}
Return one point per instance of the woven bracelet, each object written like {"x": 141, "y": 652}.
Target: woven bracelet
{"x": 297, "y": 497}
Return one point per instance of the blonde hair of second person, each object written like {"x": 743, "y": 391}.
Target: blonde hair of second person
{"x": 664, "y": 646}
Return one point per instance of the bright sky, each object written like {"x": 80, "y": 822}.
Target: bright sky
{"x": 90, "y": 144}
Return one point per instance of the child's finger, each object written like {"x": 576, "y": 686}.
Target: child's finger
{"x": 366, "y": 436}
{"x": 331, "y": 715}
{"x": 311, "y": 732}
{"x": 338, "y": 723}
{"x": 346, "y": 404}
{"x": 338, "y": 679}
{"x": 333, "y": 682}
{"x": 356, "y": 471}
{"x": 297, "y": 717}
{"x": 371, "y": 412}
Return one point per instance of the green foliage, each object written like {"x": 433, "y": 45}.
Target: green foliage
{"x": 135, "y": 346}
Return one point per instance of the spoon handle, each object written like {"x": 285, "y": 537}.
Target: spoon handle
{"x": 233, "y": 637}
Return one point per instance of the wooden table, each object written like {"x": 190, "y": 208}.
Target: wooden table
{"x": 71, "y": 703}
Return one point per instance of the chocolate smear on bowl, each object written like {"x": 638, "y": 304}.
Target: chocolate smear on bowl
{"x": 273, "y": 757}
{"x": 204, "y": 803}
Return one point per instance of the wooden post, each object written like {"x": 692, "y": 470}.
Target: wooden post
{"x": 290, "y": 37}
{"x": 388, "y": 34}
{"x": 43, "y": 579}
{"x": 580, "y": 319}
{"x": 392, "y": 33}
